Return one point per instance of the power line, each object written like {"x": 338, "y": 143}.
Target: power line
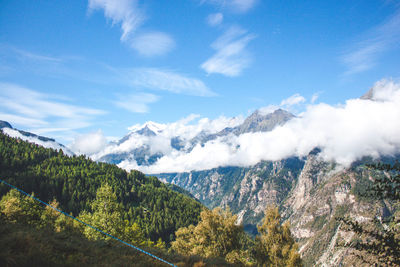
{"x": 88, "y": 225}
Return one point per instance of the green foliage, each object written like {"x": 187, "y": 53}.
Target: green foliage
{"x": 216, "y": 235}
{"x": 19, "y": 208}
{"x": 378, "y": 241}
{"x": 275, "y": 245}
{"x": 106, "y": 215}
{"x": 23, "y": 245}
{"x": 74, "y": 181}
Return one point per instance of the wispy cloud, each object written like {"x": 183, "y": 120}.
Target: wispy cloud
{"x": 137, "y": 103}
{"x": 131, "y": 17}
{"x": 215, "y": 19}
{"x": 166, "y": 80}
{"x": 365, "y": 54}
{"x": 124, "y": 12}
{"x": 24, "y": 55}
{"x": 100, "y": 73}
{"x": 28, "y": 108}
{"x": 236, "y": 6}
{"x": 153, "y": 43}
{"x": 231, "y": 56}
{"x": 293, "y": 100}
{"x": 292, "y": 103}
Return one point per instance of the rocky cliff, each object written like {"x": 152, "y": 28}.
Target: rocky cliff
{"x": 310, "y": 192}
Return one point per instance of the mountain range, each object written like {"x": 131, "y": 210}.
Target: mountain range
{"x": 138, "y": 145}
{"x": 309, "y": 190}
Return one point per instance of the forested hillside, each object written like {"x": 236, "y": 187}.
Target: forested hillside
{"x": 137, "y": 209}
{"x": 74, "y": 181}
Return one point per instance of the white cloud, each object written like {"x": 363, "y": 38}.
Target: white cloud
{"x": 89, "y": 143}
{"x": 153, "y": 43}
{"x": 24, "y": 55}
{"x": 131, "y": 17}
{"x": 236, "y": 6}
{"x": 137, "y": 103}
{"x": 186, "y": 129}
{"x": 215, "y": 19}
{"x": 293, "y": 100}
{"x": 344, "y": 133}
{"x": 166, "y": 80}
{"x": 364, "y": 55}
{"x": 28, "y": 108}
{"x": 231, "y": 56}
{"x": 314, "y": 97}
{"x": 125, "y": 12}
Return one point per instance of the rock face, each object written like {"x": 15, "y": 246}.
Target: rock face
{"x": 258, "y": 122}
{"x": 246, "y": 191}
{"x": 310, "y": 192}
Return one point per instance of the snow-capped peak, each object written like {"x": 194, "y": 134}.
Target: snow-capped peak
{"x": 150, "y": 125}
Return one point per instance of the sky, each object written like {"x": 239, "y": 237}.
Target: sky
{"x": 74, "y": 68}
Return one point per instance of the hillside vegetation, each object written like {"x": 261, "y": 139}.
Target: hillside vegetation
{"x": 137, "y": 209}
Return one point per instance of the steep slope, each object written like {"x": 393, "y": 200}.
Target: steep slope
{"x": 246, "y": 191}
{"x": 310, "y": 192}
{"x": 73, "y": 181}
{"x": 323, "y": 194}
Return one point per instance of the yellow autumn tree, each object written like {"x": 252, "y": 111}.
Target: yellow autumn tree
{"x": 216, "y": 235}
{"x": 275, "y": 246}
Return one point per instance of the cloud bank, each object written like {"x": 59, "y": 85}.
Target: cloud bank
{"x": 89, "y": 143}
{"x": 186, "y": 129}
{"x": 344, "y": 132}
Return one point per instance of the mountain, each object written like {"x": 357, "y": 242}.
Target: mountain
{"x": 259, "y": 122}
{"x": 256, "y": 122}
{"x": 310, "y": 192}
{"x": 246, "y": 190}
{"x": 33, "y": 138}
{"x": 142, "y": 144}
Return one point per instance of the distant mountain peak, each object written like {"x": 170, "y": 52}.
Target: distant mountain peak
{"x": 4, "y": 124}
{"x": 368, "y": 95}
{"x": 258, "y": 122}
{"x": 148, "y": 127}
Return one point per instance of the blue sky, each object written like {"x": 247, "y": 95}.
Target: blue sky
{"x": 74, "y": 67}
